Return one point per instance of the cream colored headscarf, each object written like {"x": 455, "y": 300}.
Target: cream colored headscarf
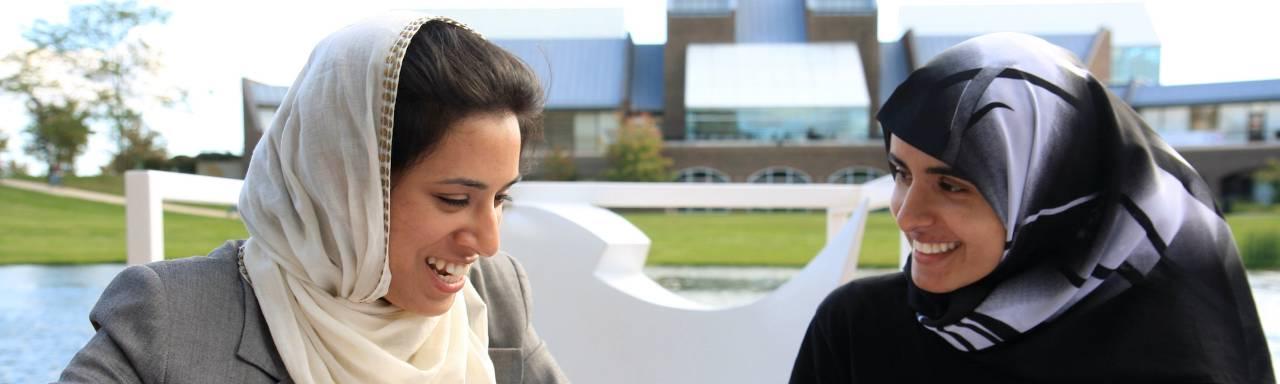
{"x": 316, "y": 201}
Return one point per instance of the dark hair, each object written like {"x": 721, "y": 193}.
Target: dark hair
{"x": 449, "y": 73}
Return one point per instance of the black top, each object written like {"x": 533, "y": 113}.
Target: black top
{"x": 865, "y": 332}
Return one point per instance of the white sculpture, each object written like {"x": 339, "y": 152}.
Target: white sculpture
{"x": 606, "y": 322}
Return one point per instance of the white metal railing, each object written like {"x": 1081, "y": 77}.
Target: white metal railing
{"x": 145, "y": 192}
{"x": 604, "y": 320}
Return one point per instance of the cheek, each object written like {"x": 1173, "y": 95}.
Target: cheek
{"x": 408, "y": 216}
{"x": 895, "y": 201}
{"x": 985, "y": 232}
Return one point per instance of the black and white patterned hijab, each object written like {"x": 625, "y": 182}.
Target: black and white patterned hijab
{"x": 1091, "y": 198}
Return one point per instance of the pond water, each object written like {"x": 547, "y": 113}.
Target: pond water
{"x": 44, "y": 311}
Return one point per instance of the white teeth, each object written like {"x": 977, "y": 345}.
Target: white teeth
{"x": 934, "y": 248}
{"x": 449, "y": 267}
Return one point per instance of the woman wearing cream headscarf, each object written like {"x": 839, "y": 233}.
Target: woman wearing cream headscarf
{"x": 373, "y": 204}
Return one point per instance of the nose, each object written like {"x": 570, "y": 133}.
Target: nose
{"x": 914, "y": 209}
{"x": 481, "y": 236}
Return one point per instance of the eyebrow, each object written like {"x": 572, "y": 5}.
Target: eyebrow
{"x": 476, "y": 184}
{"x": 894, "y": 160}
{"x": 936, "y": 170}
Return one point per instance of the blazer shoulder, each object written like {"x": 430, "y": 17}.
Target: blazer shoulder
{"x": 502, "y": 284}
{"x": 154, "y": 314}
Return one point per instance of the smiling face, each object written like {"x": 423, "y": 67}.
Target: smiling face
{"x": 446, "y": 209}
{"x": 956, "y": 238}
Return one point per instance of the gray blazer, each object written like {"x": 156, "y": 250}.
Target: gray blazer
{"x": 195, "y": 320}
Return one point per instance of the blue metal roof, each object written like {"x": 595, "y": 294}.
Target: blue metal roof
{"x": 926, "y": 47}
{"x": 770, "y": 21}
{"x": 894, "y": 68}
{"x": 1216, "y": 93}
{"x": 577, "y": 73}
{"x": 647, "y": 78}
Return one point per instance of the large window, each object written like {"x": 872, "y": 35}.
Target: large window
{"x": 780, "y": 124}
{"x": 1215, "y": 124}
{"x": 1140, "y": 63}
{"x": 855, "y": 175}
{"x": 1204, "y": 117}
{"x": 593, "y": 132}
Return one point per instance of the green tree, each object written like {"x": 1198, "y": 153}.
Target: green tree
{"x": 636, "y": 155}
{"x": 142, "y": 151}
{"x": 183, "y": 164}
{"x": 57, "y": 135}
{"x": 559, "y": 166}
{"x": 97, "y": 45}
{"x": 4, "y": 144}
{"x": 1269, "y": 173}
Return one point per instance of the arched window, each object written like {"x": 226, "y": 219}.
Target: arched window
{"x": 701, "y": 175}
{"x": 779, "y": 175}
{"x": 855, "y": 175}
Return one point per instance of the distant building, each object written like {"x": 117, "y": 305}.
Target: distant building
{"x": 786, "y": 91}
{"x": 260, "y": 104}
{"x": 1226, "y": 130}
{"x": 220, "y": 165}
{"x": 1133, "y": 53}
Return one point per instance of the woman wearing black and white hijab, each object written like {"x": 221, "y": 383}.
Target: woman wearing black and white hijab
{"x": 1055, "y": 237}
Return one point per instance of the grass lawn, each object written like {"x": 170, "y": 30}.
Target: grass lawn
{"x": 1258, "y": 238}
{"x": 102, "y": 183}
{"x": 739, "y": 238}
{"x": 43, "y": 229}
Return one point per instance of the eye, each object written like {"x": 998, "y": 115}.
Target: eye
{"x": 900, "y": 175}
{"x": 501, "y": 199}
{"x": 454, "y": 202}
{"x": 950, "y": 186}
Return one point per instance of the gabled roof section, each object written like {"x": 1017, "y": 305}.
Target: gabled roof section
{"x": 894, "y": 67}
{"x": 577, "y": 73}
{"x": 1129, "y": 21}
{"x": 925, "y": 47}
{"x": 897, "y": 58}
{"x": 1139, "y": 96}
{"x": 647, "y": 78}
{"x": 769, "y": 21}
{"x": 541, "y": 22}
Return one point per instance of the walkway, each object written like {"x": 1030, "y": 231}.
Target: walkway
{"x": 111, "y": 199}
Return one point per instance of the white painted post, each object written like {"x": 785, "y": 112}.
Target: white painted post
{"x": 144, "y": 219}
{"x": 145, "y": 193}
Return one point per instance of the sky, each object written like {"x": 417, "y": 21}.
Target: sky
{"x": 208, "y": 47}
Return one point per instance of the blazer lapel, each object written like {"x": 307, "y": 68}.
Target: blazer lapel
{"x": 256, "y": 346}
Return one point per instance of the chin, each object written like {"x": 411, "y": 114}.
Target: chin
{"x": 434, "y": 308}
{"x": 932, "y": 284}
{"x": 426, "y": 306}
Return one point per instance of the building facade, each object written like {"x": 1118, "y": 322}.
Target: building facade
{"x": 786, "y": 91}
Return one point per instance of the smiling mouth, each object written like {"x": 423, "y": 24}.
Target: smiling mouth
{"x": 449, "y": 271}
{"x": 933, "y": 248}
